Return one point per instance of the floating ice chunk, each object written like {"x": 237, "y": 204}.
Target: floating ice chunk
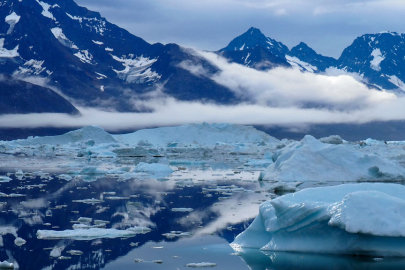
{"x": 65, "y": 177}
{"x": 201, "y": 265}
{"x": 182, "y": 209}
{"x": 74, "y": 252}
{"x": 176, "y": 234}
{"x": 158, "y": 170}
{"x": 311, "y": 160}
{"x": 4, "y": 179}
{"x": 98, "y": 42}
{"x": 95, "y": 133}
{"x": 355, "y": 219}
{"x": 19, "y": 241}
{"x": 5, "y": 53}
{"x": 201, "y": 134}
{"x": 89, "y": 201}
{"x": 91, "y": 234}
{"x": 6, "y": 265}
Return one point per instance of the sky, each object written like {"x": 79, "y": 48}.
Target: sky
{"x": 328, "y": 26}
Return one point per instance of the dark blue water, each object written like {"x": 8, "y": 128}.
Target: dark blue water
{"x": 218, "y": 211}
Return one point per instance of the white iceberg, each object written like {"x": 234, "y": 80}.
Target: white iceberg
{"x": 91, "y": 234}
{"x": 158, "y": 170}
{"x": 201, "y": 134}
{"x": 94, "y": 133}
{"x": 312, "y": 160}
{"x": 354, "y": 219}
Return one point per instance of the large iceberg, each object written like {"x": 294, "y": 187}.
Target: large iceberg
{"x": 312, "y": 160}
{"x": 355, "y": 219}
{"x": 201, "y": 134}
{"x": 91, "y": 133}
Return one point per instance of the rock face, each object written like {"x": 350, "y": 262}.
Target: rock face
{"x": 89, "y": 59}
{"x": 379, "y": 58}
{"x": 17, "y": 96}
{"x": 352, "y": 219}
{"x": 312, "y": 160}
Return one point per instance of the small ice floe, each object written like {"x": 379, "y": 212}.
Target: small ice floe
{"x": 201, "y": 265}
{"x": 182, "y": 209}
{"x": 352, "y": 219}
{"x": 91, "y": 234}
{"x": 6, "y": 265}
{"x": 139, "y": 260}
{"x": 4, "y": 179}
{"x": 19, "y": 241}
{"x": 89, "y": 201}
{"x": 74, "y": 252}
{"x": 176, "y": 234}
{"x": 65, "y": 177}
{"x": 158, "y": 261}
{"x": 64, "y": 258}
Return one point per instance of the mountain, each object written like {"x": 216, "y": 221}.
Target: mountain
{"x": 253, "y": 49}
{"x": 308, "y": 55}
{"x": 17, "y": 96}
{"x": 93, "y": 61}
{"x": 378, "y": 58}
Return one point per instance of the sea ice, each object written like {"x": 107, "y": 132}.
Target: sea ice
{"x": 312, "y": 160}
{"x": 91, "y": 234}
{"x": 355, "y": 219}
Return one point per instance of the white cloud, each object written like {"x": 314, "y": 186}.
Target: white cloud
{"x": 283, "y": 97}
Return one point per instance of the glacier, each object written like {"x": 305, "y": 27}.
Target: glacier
{"x": 365, "y": 219}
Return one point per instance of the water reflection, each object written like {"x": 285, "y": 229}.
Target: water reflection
{"x": 263, "y": 260}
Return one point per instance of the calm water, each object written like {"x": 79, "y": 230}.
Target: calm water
{"x": 194, "y": 214}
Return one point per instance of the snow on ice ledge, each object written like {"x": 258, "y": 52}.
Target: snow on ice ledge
{"x": 354, "y": 219}
{"x": 312, "y": 160}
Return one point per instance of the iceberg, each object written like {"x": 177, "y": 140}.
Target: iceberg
{"x": 158, "y": 170}
{"x": 90, "y": 133}
{"x": 200, "y": 134}
{"x": 312, "y": 160}
{"x": 366, "y": 219}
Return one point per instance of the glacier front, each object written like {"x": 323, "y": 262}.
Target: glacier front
{"x": 366, "y": 219}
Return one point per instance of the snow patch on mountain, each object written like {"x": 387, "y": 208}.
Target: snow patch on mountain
{"x": 58, "y": 33}
{"x": 99, "y": 26}
{"x": 45, "y": 12}
{"x": 136, "y": 70}
{"x": 12, "y": 20}
{"x": 31, "y": 67}
{"x": 301, "y": 65}
{"x": 8, "y": 53}
{"x": 377, "y": 59}
{"x": 397, "y": 82}
{"x": 84, "y": 56}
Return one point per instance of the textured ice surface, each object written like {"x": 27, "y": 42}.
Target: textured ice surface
{"x": 312, "y": 160}
{"x": 356, "y": 219}
{"x": 202, "y": 134}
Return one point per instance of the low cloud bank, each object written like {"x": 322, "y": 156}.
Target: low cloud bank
{"x": 283, "y": 97}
